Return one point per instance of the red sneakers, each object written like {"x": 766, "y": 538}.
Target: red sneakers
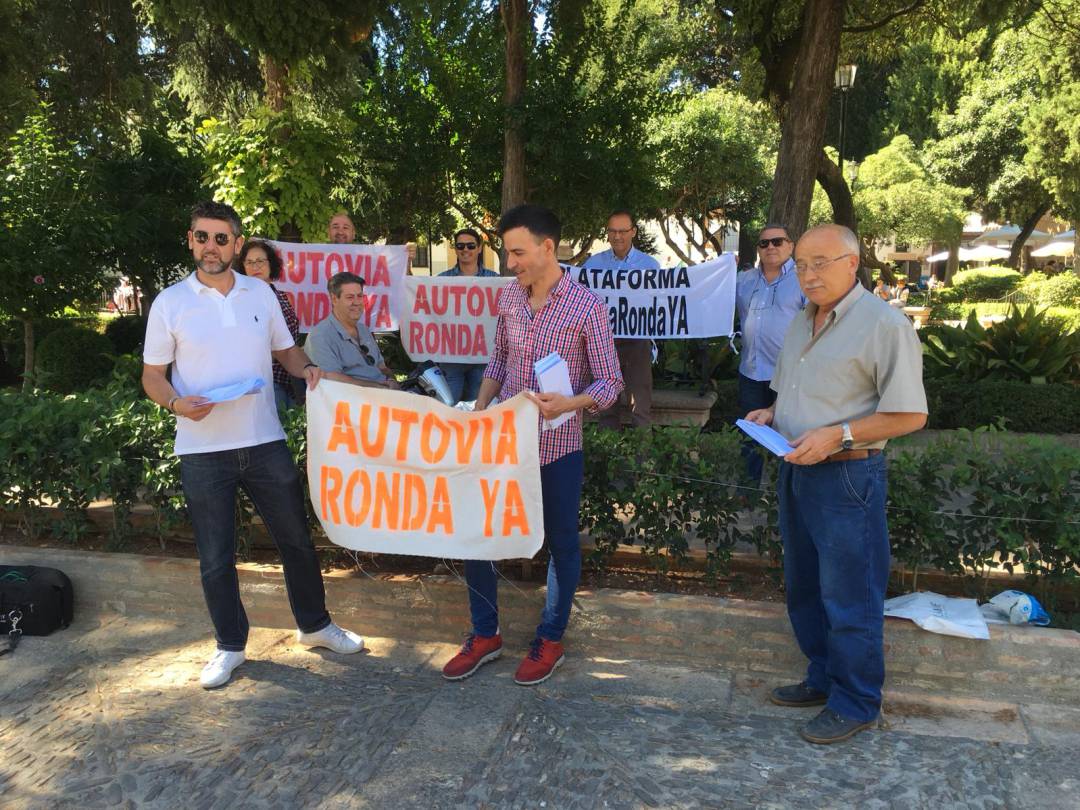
{"x": 475, "y": 652}
{"x": 542, "y": 659}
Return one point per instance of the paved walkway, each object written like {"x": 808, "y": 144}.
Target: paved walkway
{"x": 109, "y": 713}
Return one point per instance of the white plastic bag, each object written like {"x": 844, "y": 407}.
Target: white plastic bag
{"x": 948, "y": 615}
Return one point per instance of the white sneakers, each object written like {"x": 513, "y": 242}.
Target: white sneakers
{"x": 333, "y": 638}
{"x": 220, "y": 668}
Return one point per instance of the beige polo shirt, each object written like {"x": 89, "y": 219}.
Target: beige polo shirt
{"x": 865, "y": 359}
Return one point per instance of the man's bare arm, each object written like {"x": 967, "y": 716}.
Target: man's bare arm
{"x": 157, "y": 386}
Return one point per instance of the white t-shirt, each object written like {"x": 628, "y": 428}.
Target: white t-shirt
{"x": 213, "y": 340}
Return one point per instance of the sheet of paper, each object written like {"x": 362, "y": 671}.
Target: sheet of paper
{"x": 553, "y": 376}
{"x": 226, "y": 393}
{"x": 764, "y": 435}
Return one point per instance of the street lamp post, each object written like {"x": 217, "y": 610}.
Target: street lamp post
{"x": 844, "y": 81}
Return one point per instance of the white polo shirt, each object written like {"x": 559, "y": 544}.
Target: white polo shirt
{"x": 212, "y": 340}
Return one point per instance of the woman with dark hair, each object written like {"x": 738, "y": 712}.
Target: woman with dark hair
{"x": 258, "y": 260}
{"x": 464, "y": 378}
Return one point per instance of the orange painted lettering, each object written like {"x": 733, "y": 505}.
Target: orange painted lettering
{"x": 329, "y": 489}
{"x": 342, "y": 433}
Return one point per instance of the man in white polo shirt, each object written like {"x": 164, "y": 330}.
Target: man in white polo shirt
{"x": 219, "y": 328}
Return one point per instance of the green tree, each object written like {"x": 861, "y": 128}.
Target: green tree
{"x": 897, "y": 197}
{"x": 1053, "y": 139}
{"x": 53, "y": 231}
{"x": 982, "y": 144}
{"x": 713, "y": 162}
{"x": 148, "y": 186}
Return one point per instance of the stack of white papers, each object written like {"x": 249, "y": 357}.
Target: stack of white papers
{"x": 553, "y": 376}
{"x": 764, "y": 435}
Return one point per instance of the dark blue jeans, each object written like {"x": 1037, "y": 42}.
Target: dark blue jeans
{"x": 836, "y": 567}
{"x": 560, "y": 482}
{"x": 268, "y": 474}
{"x": 753, "y": 395}
{"x": 464, "y": 379}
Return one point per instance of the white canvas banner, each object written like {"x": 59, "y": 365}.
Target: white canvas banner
{"x": 306, "y": 269}
{"x": 398, "y": 473}
{"x": 451, "y": 318}
{"x": 665, "y": 304}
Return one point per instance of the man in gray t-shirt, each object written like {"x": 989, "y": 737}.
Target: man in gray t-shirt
{"x": 341, "y": 344}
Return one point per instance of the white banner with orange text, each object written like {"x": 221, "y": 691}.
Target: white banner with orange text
{"x": 306, "y": 269}
{"x": 451, "y": 318}
{"x": 398, "y": 473}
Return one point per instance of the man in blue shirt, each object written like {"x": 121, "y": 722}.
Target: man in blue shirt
{"x": 341, "y": 344}
{"x": 767, "y": 298}
{"x": 635, "y": 355}
{"x": 464, "y": 378}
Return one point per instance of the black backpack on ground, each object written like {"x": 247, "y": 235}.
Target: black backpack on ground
{"x": 33, "y": 602}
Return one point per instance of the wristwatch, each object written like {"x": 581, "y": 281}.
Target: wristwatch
{"x": 848, "y": 440}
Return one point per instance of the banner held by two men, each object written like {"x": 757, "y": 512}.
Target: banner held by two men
{"x": 397, "y": 473}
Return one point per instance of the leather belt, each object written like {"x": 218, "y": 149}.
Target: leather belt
{"x": 851, "y": 455}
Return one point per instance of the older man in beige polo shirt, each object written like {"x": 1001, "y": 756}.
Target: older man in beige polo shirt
{"x": 849, "y": 377}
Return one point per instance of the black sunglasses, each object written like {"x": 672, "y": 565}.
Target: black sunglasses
{"x": 465, "y": 245}
{"x": 220, "y": 239}
{"x": 364, "y": 350}
{"x": 776, "y": 241}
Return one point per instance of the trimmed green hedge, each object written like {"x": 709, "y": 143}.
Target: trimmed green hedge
{"x": 1066, "y": 319}
{"x": 982, "y": 284}
{"x": 73, "y": 358}
{"x": 1021, "y": 407}
{"x": 649, "y": 488}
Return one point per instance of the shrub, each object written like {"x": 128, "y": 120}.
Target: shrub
{"x": 73, "y": 358}
{"x": 1062, "y": 290}
{"x": 1023, "y": 408}
{"x": 984, "y": 284}
{"x": 650, "y": 488}
{"x": 126, "y": 333}
{"x": 1022, "y": 347}
{"x": 1064, "y": 319}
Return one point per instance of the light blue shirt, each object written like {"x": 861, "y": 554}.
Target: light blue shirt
{"x": 765, "y": 312}
{"x": 481, "y": 271}
{"x": 634, "y": 260}
{"x": 332, "y": 348}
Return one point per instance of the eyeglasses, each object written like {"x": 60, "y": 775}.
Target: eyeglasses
{"x": 364, "y": 350}
{"x": 255, "y": 262}
{"x": 618, "y": 231}
{"x": 776, "y": 241}
{"x": 818, "y": 264}
{"x": 465, "y": 245}
{"x": 220, "y": 239}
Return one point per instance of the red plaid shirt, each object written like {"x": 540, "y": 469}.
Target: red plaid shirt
{"x": 572, "y": 322}
{"x": 291, "y": 321}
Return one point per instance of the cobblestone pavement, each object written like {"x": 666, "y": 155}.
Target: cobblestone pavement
{"x": 109, "y": 714}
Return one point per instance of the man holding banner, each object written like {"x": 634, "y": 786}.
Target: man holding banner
{"x": 341, "y": 345}
{"x": 464, "y": 378}
{"x": 218, "y": 330}
{"x": 635, "y": 354}
{"x": 545, "y": 312}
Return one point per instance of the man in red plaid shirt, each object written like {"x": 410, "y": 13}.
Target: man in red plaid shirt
{"x": 545, "y": 312}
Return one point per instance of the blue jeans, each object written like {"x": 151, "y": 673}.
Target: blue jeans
{"x": 836, "y": 567}
{"x": 560, "y": 482}
{"x": 268, "y": 474}
{"x": 753, "y": 395}
{"x": 464, "y": 379}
